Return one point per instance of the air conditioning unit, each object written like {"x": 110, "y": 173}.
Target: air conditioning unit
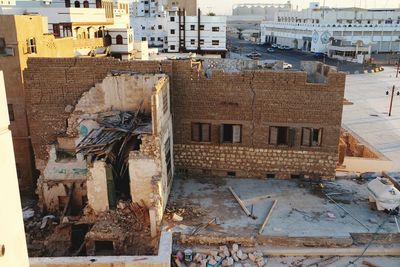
{"x": 9, "y": 51}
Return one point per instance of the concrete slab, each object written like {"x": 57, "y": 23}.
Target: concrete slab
{"x": 300, "y": 212}
{"x": 368, "y": 116}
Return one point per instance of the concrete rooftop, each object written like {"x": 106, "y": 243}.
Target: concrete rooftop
{"x": 300, "y": 211}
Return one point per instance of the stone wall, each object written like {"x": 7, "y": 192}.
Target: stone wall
{"x": 255, "y": 99}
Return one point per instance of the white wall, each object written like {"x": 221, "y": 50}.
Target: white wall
{"x": 208, "y": 35}
{"x": 12, "y": 235}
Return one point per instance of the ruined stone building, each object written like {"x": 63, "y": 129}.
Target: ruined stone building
{"x": 229, "y": 119}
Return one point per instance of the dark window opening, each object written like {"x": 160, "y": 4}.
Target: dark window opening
{"x": 85, "y": 4}
{"x": 119, "y": 39}
{"x": 215, "y": 29}
{"x": 104, "y": 248}
{"x": 56, "y": 30}
{"x": 78, "y": 234}
{"x": 11, "y": 112}
{"x": 231, "y": 174}
{"x": 172, "y": 31}
{"x": 201, "y": 132}
{"x": 107, "y": 40}
{"x": 98, "y": 3}
{"x": 65, "y": 155}
{"x": 77, "y": 4}
{"x": 192, "y": 41}
{"x": 172, "y": 47}
{"x": 311, "y": 137}
{"x": 2, "y": 46}
{"x": 144, "y": 38}
{"x": 215, "y": 42}
{"x": 192, "y": 27}
{"x": 201, "y": 41}
{"x": 31, "y": 45}
{"x": 201, "y": 27}
{"x": 270, "y": 175}
{"x": 67, "y": 3}
{"x": 160, "y": 27}
{"x": 172, "y": 19}
{"x": 282, "y": 136}
{"x": 231, "y": 133}
{"x": 295, "y": 176}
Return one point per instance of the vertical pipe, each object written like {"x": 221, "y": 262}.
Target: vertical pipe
{"x": 198, "y": 30}
{"x": 184, "y": 30}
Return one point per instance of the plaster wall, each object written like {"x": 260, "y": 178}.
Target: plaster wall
{"x": 97, "y": 187}
{"x": 12, "y": 229}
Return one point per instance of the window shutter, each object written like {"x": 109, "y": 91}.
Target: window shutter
{"x": 236, "y": 138}
{"x": 196, "y": 132}
{"x": 306, "y": 138}
{"x": 221, "y": 133}
{"x": 205, "y": 132}
{"x": 292, "y": 136}
{"x": 273, "y": 135}
{"x": 320, "y": 137}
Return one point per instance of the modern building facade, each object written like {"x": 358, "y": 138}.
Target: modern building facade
{"x": 201, "y": 34}
{"x": 84, "y": 20}
{"x": 337, "y": 31}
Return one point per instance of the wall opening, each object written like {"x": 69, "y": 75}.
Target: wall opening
{"x": 231, "y": 174}
{"x": 104, "y": 248}
{"x": 78, "y": 234}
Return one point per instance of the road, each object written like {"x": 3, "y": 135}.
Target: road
{"x": 293, "y": 57}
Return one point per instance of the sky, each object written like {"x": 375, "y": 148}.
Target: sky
{"x": 224, "y": 7}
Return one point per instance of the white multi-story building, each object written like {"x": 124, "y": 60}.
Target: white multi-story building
{"x": 150, "y": 29}
{"x": 258, "y": 11}
{"x": 338, "y": 32}
{"x": 200, "y": 34}
{"x": 108, "y": 19}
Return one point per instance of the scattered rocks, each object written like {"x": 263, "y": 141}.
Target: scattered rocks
{"x": 235, "y": 247}
{"x": 177, "y": 218}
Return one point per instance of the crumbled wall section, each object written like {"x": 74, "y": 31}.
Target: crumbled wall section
{"x": 52, "y": 84}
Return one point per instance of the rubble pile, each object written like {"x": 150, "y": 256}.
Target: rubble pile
{"x": 224, "y": 256}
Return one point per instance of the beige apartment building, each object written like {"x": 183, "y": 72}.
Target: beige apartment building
{"x": 22, "y": 37}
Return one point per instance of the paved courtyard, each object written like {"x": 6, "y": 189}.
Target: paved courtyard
{"x": 368, "y": 116}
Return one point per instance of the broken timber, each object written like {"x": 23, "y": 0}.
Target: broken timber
{"x": 268, "y": 216}
{"x": 241, "y": 204}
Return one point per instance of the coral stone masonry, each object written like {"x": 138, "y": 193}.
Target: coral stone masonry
{"x": 229, "y": 117}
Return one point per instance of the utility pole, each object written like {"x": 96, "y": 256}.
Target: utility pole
{"x": 391, "y": 99}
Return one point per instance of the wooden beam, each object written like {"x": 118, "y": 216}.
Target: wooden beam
{"x": 268, "y": 216}
{"x": 248, "y": 213}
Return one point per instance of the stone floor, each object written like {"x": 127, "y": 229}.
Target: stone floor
{"x": 301, "y": 211}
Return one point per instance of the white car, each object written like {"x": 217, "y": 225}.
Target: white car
{"x": 287, "y": 66}
{"x": 274, "y": 45}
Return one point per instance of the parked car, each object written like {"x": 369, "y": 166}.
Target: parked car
{"x": 286, "y": 47}
{"x": 280, "y": 46}
{"x": 274, "y": 45}
{"x": 287, "y": 66}
{"x": 254, "y": 55}
{"x": 270, "y": 50}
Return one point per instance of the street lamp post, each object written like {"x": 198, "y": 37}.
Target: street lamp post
{"x": 391, "y": 99}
